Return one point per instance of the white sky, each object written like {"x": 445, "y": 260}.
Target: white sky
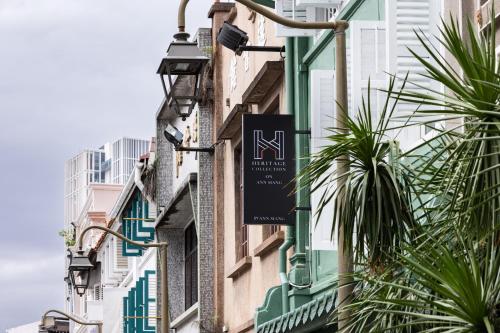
{"x": 74, "y": 74}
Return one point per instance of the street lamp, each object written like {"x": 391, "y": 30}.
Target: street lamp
{"x": 163, "y": 267}
{"x": 49, "y": 322}
{"x": 79, "y": 272}
{"x": 182, "y": 68}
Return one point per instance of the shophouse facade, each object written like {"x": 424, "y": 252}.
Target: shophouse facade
{"x": 184, "y": 195}
{"x": 377, "y": 40}
{"x": 93, "y": 184}
{"x": 122, "y": 286}
{"x": 302, "y": 84}
{"x": 246, "y": 255}
{"x": 95, "y": 212}
{"x": 91, "y": 178}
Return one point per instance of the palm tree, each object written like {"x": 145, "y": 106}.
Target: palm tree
{"x": 374, "y": 202}
{"x": 437, "y": 288}
{"x": 469, "y": 170}
{"x": 448, "y": 278}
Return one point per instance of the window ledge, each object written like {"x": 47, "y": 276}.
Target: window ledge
{"x": 269, "y": 244}
{"x": 241, "y": 266}
{"x": 246, "y": 326}
{"x": 185, "y": 316}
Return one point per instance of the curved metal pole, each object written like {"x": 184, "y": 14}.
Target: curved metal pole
{"x": 114, "y": 233}
{"x": 164, "y": 327}
{"x": 76, "y": 320}
{"x": 181, "y": 18}
{"x": 335, "y": 25}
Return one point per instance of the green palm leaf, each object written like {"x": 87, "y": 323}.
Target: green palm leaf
{"x": 374, "y": 204}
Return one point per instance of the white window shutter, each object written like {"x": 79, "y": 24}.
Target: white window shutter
{"x": 97, "y": 292}
{"x": 289, "y": 9}
{"x": 121, "y": 262}
{"x": 323, "y": 107}
{"x": 319, "y": 3}
{"x": 403, "y": 17}
{"x": 368, "y": 38}
{"x": 152, "y": 287}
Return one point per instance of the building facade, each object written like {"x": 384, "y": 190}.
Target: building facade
{"x": 225, "y": 275}
{"x": 95, "y": 212}
{"x": 247, "y": 256}
{"x": 93, "y": 180}
{"x": 184, "y": 195}
{"x": 299, "y": 279}
{"x": 122, "y": 287}
{"x": 112, "y": 163}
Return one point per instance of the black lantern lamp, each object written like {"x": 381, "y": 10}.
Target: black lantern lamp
{"x": 79, "y": 271}
{"x": 236, "y": 40}
{"x": 182, "y": 68}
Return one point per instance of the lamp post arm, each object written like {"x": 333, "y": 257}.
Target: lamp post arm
{"x": 76, "y": 320}
{"x": 164, "y": 328}
{"x": 335, "y": 25}
{"x": 114, "y": 233}
{"x": 181, "y": 18}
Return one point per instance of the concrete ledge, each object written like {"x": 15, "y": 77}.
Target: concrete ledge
{"x": 270, "y": 72}
{"x": 232, "y": 123}
{"x": 269, "y": 244}
{"x": 246, "y": 326}
{"x": 185, "y": 316}
{"x": 241, "y": 266}
{"x": 218, "y": 7}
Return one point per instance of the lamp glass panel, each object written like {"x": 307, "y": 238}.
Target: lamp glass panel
{"x": 184, "y": 67}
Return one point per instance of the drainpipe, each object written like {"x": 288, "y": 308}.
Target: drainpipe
{"x": 138, "y": 181}
{"x": 290, "y": 231}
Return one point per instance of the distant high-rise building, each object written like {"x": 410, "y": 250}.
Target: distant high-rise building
{"x": 110, "y": 164}
{"x": 123, "y": 155}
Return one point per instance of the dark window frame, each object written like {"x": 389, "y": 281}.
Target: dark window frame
{"x": 241, "y": 229}
{"x": 190, "y": 266}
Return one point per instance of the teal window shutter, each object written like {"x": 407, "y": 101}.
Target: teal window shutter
{"x": 136, "y": 225}
{"x": 125, "y": 315}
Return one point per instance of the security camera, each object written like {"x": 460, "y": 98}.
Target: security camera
{"x": 173, "y": 135}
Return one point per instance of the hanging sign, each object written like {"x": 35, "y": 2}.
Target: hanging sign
{"x": 268, "y": 169}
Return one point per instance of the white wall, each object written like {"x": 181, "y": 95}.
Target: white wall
{"x": 27, "y": 328}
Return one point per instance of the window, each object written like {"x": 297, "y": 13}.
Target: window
{"x": 190, "y": 266}
{"x": 240, "y": 228}
{"x": 269, "y": 230}
{"x": 369, "y": 38}
{"x": 406, "y": 17}
{"x": 322, "y": 104}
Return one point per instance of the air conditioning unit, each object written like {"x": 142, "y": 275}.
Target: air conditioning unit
{"x": 318, "y": 3}
{"x": 289, "y": 9}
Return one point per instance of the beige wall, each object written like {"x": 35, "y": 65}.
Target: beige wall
{"x": 244, "y": 293}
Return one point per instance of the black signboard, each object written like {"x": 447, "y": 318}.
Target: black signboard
{"x": 268, "y": 169}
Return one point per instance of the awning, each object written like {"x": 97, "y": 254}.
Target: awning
{"x": 182, "y": 207}
{"x": 265, "y": 79}
{"x": 232, "y": 124}
{"x": 312, "y": 316}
